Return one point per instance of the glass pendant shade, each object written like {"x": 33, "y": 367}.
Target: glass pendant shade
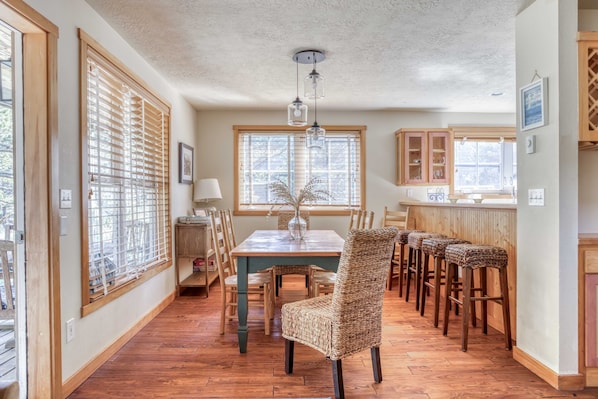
{"x": 297, "y": 113}
{"x": 313, "y": 85}
{"x": 315, "y": 136}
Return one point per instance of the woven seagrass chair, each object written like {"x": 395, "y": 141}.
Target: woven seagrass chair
{"x": 259, "y": 286}
{"x": 399, "y": 219}
{"x": 350, "y": 320}
{"x": 281, "y": 270}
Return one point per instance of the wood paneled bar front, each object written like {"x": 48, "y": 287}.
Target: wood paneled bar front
{"x": 488, "y": 224}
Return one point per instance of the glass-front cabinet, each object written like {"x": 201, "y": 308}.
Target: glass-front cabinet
{"x": 423, "y": 156}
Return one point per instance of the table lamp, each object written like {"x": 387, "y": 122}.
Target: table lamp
{"x": 206, "y": 190}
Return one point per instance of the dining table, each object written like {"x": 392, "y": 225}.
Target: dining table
{"x": 265, "y": 248}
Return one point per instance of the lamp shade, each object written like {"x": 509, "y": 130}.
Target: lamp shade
{"x": 206, "y": 190}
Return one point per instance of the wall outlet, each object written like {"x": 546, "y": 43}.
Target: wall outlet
{"x": 70, "y": 330}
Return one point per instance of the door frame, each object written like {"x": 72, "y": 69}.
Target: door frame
{"x": 42, "y": 252}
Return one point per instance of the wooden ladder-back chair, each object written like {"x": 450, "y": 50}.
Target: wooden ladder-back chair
{"x": 259, "y": 284}
{"x": 400, "y": 220}
{"x": 328, "y": 323}
{"x": 361, "y": 219}
{"x": 322, "y": 281}
{"x": 280, "y": 270}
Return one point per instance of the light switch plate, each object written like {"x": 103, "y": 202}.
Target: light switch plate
{"x": 530, "y": 144}
{"x": 535, "y": 196}
{"x": 66, "y": 199}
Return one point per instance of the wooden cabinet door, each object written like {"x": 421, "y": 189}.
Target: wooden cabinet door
{"x": 438, "y": 157}
{"x": 591, "y": 318}
{"x": 414, "y": 158}
{"x": 588, "y": 85}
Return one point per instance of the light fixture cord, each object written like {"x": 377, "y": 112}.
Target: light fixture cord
{"x": 297, "y": 62}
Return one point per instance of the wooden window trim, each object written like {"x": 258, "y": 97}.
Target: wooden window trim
{"x": 88, "y": 44}
{"x": 238, "y": 129}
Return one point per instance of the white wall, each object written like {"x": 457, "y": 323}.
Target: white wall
{"x": 98, "y": 330}
{"x": 547, "y": 236}
{"x": 215, "y": 154}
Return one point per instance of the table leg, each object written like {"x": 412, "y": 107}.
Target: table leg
{"x": 242, "y": 270}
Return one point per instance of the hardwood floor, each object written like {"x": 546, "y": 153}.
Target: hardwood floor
{"x": 180, "y": 354}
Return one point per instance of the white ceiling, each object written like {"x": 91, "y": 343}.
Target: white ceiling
{"x": 446, "y": 55}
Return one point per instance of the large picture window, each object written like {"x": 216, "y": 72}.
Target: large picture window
{"x": 265, "y": 154}
{"x": 485, "y": 160}
{"x": 125, "y": 179}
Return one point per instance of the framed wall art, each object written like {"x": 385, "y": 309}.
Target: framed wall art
{"x": 185, "y": 164}
{"x": 534, "y": 104}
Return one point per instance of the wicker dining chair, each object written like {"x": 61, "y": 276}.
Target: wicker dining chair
{"x": 280, "y": 270}
{"x": 350, "y": 320}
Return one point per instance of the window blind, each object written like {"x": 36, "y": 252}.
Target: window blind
{"x": 126, "y": 175}
{"x": 266, "y": 156}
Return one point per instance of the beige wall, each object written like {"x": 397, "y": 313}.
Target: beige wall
{"x": 98, "y": 330}
{"x": 547, "y": 236}
{"x": 215, "y": 154}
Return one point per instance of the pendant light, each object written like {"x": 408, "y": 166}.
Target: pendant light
{"x": 297, "y": 111}
{"x": 315, "y": 134}
{"x": 313, "y": 84}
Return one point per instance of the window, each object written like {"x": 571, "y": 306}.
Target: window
{"x": 125, "y": 146}
{"x": 485, "y": 160}
{"x": 268, "y": 153}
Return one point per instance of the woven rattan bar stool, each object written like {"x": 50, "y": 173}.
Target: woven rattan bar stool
{"x": 469, "y": 257}
{"x": 414, "y": 262}
{"x": 401, "y": 241}
{"x": 433, "y": 278}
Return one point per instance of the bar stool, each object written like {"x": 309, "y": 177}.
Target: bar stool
{"x": 402, "y": 241}
{"x": 414, "y": 261}
{"x": 469, "y": 257}
{"x": 435, "y": 247}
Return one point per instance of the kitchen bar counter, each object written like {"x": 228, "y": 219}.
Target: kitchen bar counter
{"x": 490, "y": 224}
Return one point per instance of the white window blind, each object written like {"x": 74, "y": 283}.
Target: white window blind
{"x": 126, "y": 175}
{"x": 266, "y": 156}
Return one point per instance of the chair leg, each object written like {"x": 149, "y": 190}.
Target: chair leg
{"x": 377, "y": 367}
{"x": 437, "y": 282}
{"x": 267, "y": 309}
{"x": 467, "y": 283}
{"x": 504, "y": 288}
{"x": 450, "y": 272}
{"x": 277, "y": 278}
{"x": 418, "y": 277}
{"x": 408, "y": 282}
{"x": 401, "y": 268}
{"x": 289, "y": 347}
{"x": 484, "y": 288}
{"x": 424, "y": 280}
{"x": 337, "y": 376}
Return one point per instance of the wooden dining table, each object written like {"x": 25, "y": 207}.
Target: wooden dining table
{"x": 265, "y": 248}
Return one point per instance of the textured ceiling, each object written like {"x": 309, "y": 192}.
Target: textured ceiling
{"x": 380, "y": 54}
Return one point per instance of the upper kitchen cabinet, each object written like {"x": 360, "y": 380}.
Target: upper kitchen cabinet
{"x": 588, "y": 85}
{"x": 423, "y": 156}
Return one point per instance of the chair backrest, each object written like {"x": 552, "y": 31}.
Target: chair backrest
{"x": 361, "y": 219}
{"x": 359, "y": 290}
{"x": 6, "y": 260}
{"x": 223, "y": 262}
{"x": 285, "y": 216}
{"x": 229, "y": 228}
{"x": 398, "y": 219}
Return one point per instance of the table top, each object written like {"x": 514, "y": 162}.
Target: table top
{"x": 279, "y": 243}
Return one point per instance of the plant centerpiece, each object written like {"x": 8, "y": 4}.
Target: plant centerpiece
{"x": 309, "y": 193}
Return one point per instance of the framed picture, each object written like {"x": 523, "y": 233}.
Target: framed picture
{"x": 534, "y": 104}
{"x": 185, "y": 164}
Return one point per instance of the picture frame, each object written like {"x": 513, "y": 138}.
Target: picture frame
{"x": 533, "y": 102}
{"x": 185, "y": 164}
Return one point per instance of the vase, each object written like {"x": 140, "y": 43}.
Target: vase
{"x": 297, "y": 226}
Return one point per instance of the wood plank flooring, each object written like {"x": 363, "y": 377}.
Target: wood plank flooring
{"x": 180, "y": 354}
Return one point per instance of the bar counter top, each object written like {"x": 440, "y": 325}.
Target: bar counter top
{"x": 481, "y": 205}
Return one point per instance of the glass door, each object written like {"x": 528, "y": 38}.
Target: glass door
{"x": 12, "y": 283}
